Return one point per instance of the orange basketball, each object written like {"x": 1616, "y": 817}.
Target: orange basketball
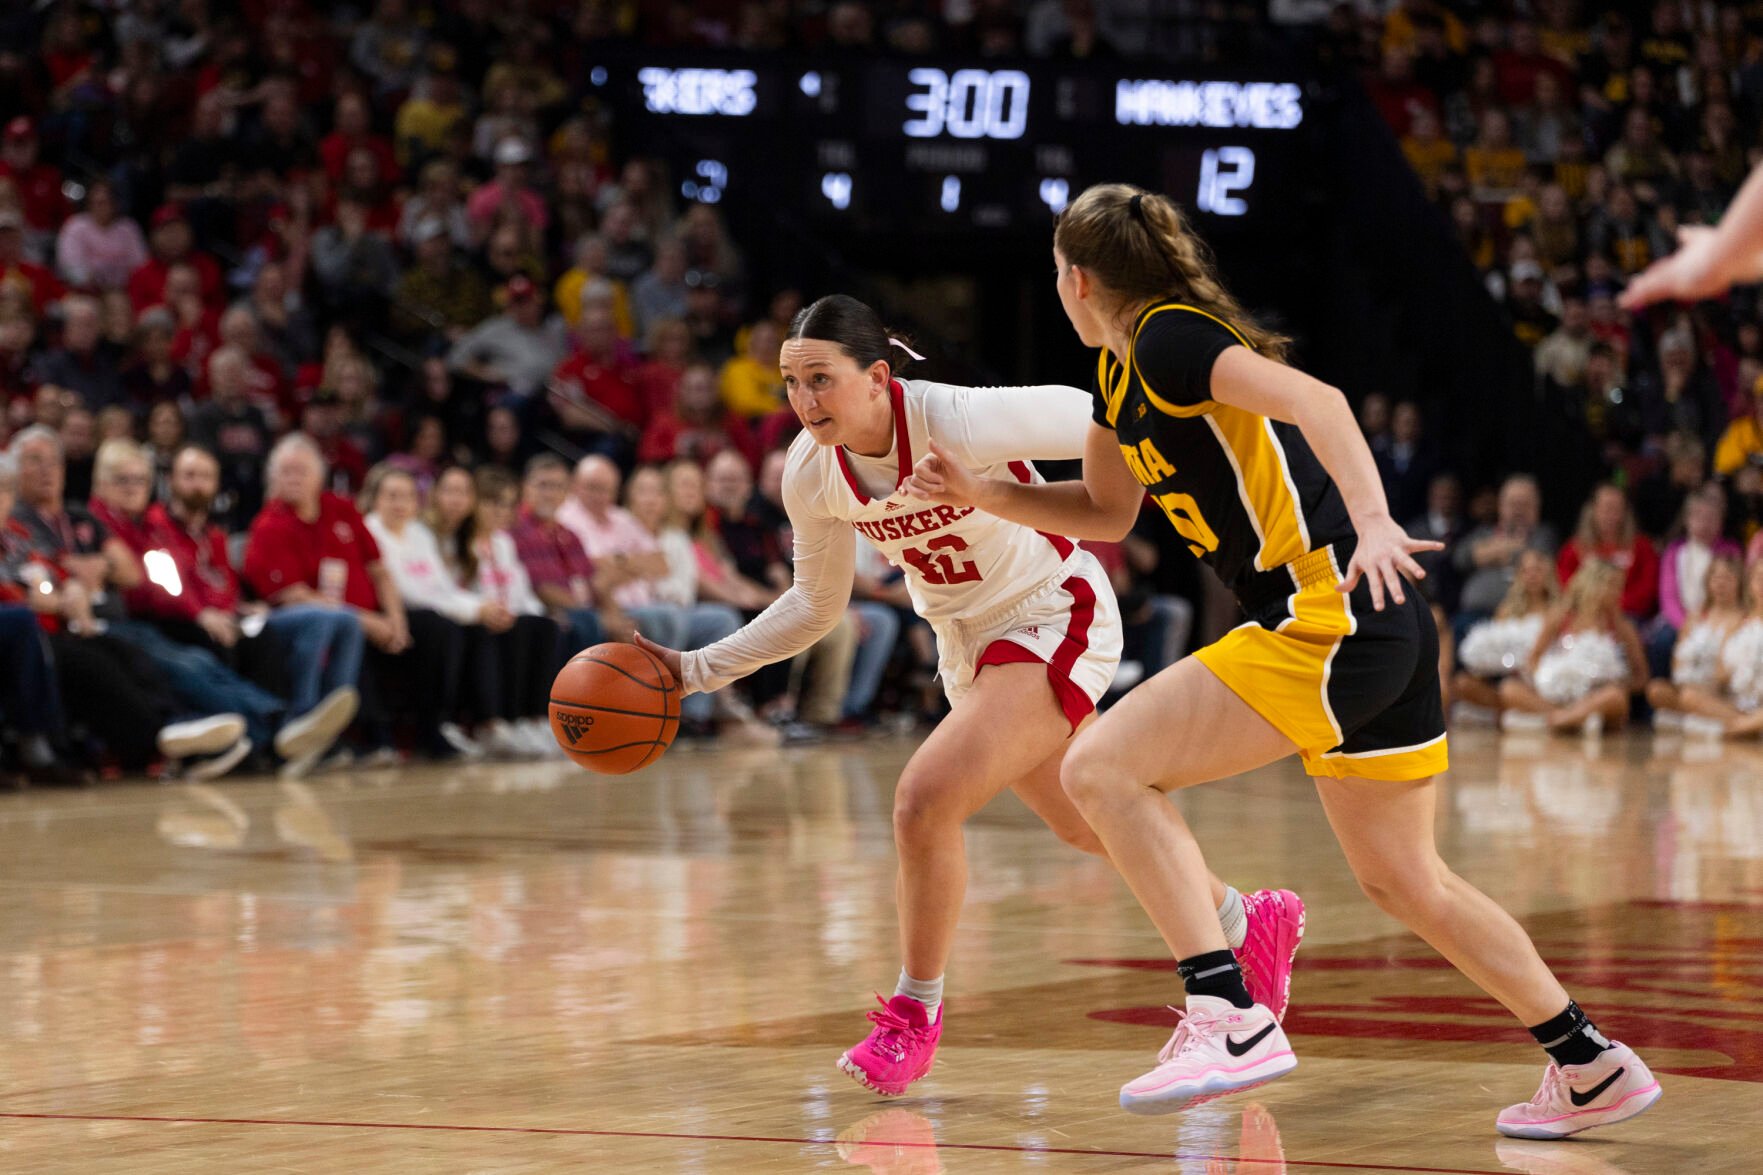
{"x": 614, "y": 708}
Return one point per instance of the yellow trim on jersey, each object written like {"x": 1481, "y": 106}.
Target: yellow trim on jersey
{"x": 1157, "y": 401}
{"x": 1266, "y": 490}
{"x": 1264, "y": 482}
{"x": 1111, "y": 396}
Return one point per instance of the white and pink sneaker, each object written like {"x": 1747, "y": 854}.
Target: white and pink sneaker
{"x": 1616, "y": 1086}
{"x": 1275, "y": 928}
{"x": 1218, "y": 1048}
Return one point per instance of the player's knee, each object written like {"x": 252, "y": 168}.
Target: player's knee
{"x": 1405, "y": 890}
{"x": 922, "y": 806}
{"x": 1088, "y": 775}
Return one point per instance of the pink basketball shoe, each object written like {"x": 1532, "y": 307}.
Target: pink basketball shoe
{"x": 1616, "y": 1086}
{"x": 899, "y": 1051}
{"x": 1276, "y": 927}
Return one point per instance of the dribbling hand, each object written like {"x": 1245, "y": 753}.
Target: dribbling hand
{"x": 668, "y": 657}
{"x": 938, "y": 477}
{"x": 1384, "y": 554}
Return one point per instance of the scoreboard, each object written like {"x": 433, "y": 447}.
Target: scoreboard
{"x": 935, "y": 146}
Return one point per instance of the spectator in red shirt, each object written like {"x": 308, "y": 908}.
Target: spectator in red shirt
{"x": 319, "y": 646}
{"x": 42, "y": 286}
{"x": 191, "y": 643}
{"x": 1607, "y": 532}
{"x": 312, "y": 547}
{"x": 70, "y": 562}
{"x": 38, "y": 183}
{"x": 593, "y": 392}
{"x": 354, "y": 129}
{"x": 698, "y": 426}
{"x": 196, "y": 331}
{"x": 562, "y": 574}
{"x": 670, "y": 351}
{"x": 172, "y": 245}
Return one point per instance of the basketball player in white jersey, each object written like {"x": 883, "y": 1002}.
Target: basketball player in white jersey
{"x": 1033, "y": 610}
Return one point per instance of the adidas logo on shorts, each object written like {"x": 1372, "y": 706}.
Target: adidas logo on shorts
{"x": 576, "y": 725}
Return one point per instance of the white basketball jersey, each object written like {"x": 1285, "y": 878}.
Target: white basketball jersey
{"x": 957, "y": 562}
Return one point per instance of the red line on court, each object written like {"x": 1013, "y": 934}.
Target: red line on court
{"x": 1176, "y": 1156}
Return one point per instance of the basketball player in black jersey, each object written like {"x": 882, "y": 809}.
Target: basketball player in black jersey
{"x": 1263, "y": 471}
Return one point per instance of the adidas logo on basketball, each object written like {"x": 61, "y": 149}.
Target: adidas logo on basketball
{"x": 576, "y": 725}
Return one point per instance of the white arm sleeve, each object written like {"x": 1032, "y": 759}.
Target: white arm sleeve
{"x": 814, "y": 605}
{"x": 988, "y": 426}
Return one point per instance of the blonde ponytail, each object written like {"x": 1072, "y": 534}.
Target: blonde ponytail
{"x": 1139, "y": 248}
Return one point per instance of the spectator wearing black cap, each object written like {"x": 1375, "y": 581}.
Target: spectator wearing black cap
{"x": 518, "y": 348}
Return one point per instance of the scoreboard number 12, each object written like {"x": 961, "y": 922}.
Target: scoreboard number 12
{"x": 1224, "y": 171}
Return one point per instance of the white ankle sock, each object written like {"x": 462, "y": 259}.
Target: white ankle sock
{"x": 928, "y": 992}
{"x": 1234, "y": 919}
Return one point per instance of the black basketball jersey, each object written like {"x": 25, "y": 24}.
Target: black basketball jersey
{"x": 1246, "y": 492}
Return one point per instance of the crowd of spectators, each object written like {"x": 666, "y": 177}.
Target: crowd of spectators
{"x": 350, "y": 378}
{"x": 1566, "y": 144}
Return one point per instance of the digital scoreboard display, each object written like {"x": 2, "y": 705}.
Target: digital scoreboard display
{"x": 928, "y": 145}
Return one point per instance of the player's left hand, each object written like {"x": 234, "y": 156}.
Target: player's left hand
{"x": 1385, "y": 554}
{"x": 938, "y": 477}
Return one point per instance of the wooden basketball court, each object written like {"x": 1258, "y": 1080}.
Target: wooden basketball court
{"x": 529, "y": 968}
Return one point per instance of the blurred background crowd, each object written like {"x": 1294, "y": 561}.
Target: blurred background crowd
{"x": 354, "y": 370}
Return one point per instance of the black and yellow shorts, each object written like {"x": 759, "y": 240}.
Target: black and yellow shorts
{"x": 1356, "y": 689}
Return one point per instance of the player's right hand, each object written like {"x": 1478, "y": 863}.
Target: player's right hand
{"x": 938, "y": 477}
{"x": 668, "y": 657}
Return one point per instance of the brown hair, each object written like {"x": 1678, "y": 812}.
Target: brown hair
{"x": 459, "y": 546}
{"x": 1139, "y": 247}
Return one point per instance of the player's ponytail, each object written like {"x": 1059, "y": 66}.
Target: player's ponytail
{"x": 855, "y": 328}
{"x": 1138, "y": 246}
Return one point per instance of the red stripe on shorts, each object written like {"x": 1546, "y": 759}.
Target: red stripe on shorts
{"x": 1025, "y": 475}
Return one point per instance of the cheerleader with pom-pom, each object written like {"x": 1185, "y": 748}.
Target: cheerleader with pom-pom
{"x": 1732, "y": 704}
{"x": 1695, "y": 661}
{"x": 1586, "y": 662}
{"x": 1499, "y": 647}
